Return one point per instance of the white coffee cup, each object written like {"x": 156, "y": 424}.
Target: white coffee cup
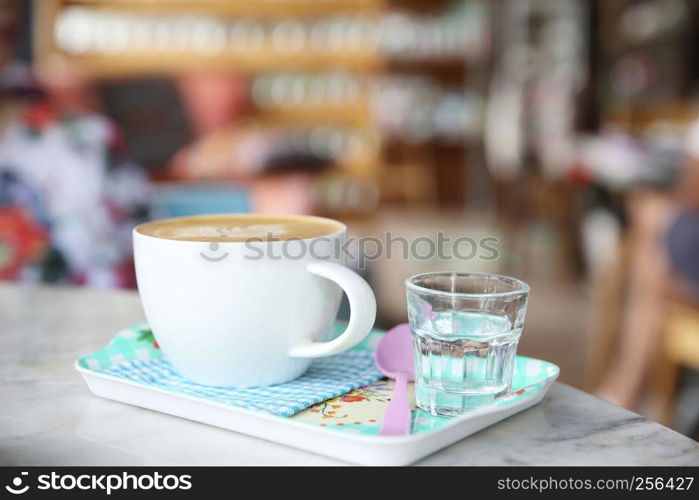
{"x": 244, "y": 314}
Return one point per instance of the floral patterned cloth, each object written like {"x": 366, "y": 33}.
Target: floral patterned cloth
{"x": 68, "y": 176}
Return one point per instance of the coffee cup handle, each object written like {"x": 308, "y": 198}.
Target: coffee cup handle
{"x": 363, "y": 311}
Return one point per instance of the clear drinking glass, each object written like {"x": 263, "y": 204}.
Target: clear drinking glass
{"x": 465, "y": 329}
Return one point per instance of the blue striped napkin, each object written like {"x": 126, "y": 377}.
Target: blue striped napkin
{"x": 325, "y": 379}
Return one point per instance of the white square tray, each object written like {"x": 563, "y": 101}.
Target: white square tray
{"x": 346, "y": 427}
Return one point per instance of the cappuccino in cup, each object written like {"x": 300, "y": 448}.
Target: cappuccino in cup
{"x": 248, "y": 300}
{"x": 243, "y": 228}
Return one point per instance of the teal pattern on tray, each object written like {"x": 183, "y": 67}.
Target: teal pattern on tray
{"x": 359, "y": 412}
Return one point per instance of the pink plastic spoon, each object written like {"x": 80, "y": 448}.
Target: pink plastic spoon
{"x": 394, "y": 358}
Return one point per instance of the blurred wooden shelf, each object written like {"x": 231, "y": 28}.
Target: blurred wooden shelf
{"x": 120, "y": 66}
{"x": 131, "y": 60}
{"x": 134, "y": 62}
{"x": 357, "y": 114}
{"x": 639, "y": 117}
{"x": 258, "y": 8}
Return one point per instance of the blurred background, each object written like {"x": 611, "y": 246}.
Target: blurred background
{"x": 566, "y": 129}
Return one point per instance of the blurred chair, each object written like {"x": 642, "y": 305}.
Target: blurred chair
{"x": 679, "y": 349}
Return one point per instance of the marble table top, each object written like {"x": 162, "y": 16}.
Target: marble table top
{"x": 48, "y": 416}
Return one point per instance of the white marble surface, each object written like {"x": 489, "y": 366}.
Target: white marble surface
{"x": 48, "y": 417}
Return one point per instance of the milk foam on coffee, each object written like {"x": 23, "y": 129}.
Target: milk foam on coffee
{"x": 240, "y": 228}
